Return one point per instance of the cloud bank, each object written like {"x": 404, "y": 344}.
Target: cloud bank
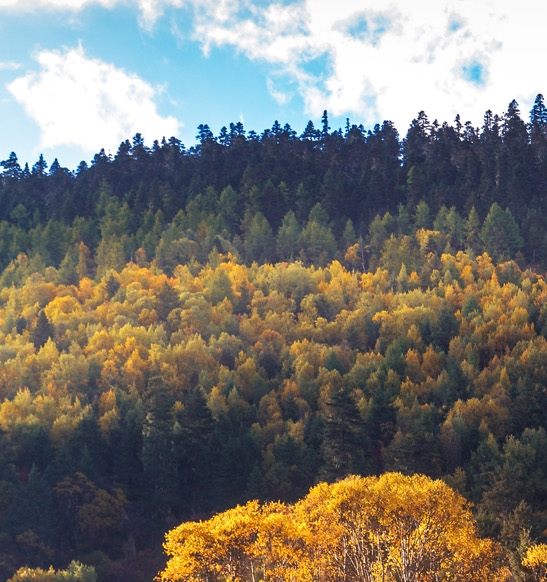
{"x": 76, "y": 100}
{"x": 389, "y": 60}
{"x": 364, "y": 59}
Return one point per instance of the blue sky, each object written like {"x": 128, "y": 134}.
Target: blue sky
{"x": 80, "y": 75}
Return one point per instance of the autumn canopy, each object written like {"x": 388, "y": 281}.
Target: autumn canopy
{"x": 390, "y": 528}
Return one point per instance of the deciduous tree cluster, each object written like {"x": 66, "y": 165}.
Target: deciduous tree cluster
{"x": 140, "y": 397}
{"x": 386, "y": 529}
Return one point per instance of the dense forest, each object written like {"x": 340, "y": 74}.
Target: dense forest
{"x": 185, "y": 330}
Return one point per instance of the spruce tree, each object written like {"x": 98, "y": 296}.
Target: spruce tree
{"x": 42, "y": 331}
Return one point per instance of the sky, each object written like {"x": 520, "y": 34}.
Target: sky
{"x": 80, "y": 75}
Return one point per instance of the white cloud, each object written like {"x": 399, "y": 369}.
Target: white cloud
{"x": 150, "y": 10}
{"x": 281, "y": 97}
{"x": 72, "y": 5}
{"x": 86, "y": 102}
{"x": 371, "y": 59}
{"x": 9, "y": 66}
{"x": 389, "y": 59}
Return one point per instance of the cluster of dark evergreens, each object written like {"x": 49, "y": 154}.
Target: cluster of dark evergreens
{"x": 238, "y": 188}
{"x": 294, "y": 309}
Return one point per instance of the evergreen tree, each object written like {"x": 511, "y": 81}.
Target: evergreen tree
{"x": 32, "y": 516}
{"x": 500, "y": 234}
{"x": 344, "y": 445}
{"x": 193, "y": 437}
{"x": 42, "y": 331}
{"x": 472, "y": 230}
{"x": 259, "y": 240}
{"x": 167, "y": 299}
{"x": 159, "y": 460}
{"x": 325, "y": 129}
{"x": 287, "y": 239}
{"x": 421, "y": 216}
{"x": 11, "y": 166}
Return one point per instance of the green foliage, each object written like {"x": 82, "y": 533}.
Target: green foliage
{"x": 43, "y": 330}
{"x": 344, "y": 444}
{"x": 317, "y": 241}
{"x": 500, "y": 233}
{"x": 259, "y": 239}
{"x": 287, "y": 238}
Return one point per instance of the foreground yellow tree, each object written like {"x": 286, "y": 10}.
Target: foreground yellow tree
{"x": 388, "y": 529}
{"x": 536, "y": 560}
{"x": 395, "y": 528}
{"x": 218, "y": 549}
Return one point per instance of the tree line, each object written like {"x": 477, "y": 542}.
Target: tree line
{"x": 237, "y": 190}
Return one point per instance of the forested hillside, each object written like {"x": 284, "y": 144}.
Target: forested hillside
{"x": 185, "y": 330}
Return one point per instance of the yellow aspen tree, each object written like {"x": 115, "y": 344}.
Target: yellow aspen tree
{"x": 388, "y": 529}
{"x": 190, "y": 547}
{"x": 135, "y": 370}
{"x": 427, "y": 531}
{"x": 63, "y": 309}
{"x": 280, "y": 546}
{"x": 536, "y": 560}
{"x": 220, "y": 548}
{"x": 394, "y": 528}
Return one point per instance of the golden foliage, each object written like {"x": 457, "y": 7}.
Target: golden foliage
{"x": 386, "y": 529}
{"x": 536, "y": 560}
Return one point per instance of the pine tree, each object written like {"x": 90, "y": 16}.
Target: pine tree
{"x": 167, "y": 299}
{"x": 193, "y": 431}
{"x": 159, "y": 460}
{"x": 287, "y": 239}
{"x": 33, "y": 511}
{"x": 42, "y": 331}
{"x": 500, "y": 234}
{"x": 259, "y": 240}
{"x": 11, "y": 166}
{"x": 472, "y": 230}
{"x": 344, "y": 446}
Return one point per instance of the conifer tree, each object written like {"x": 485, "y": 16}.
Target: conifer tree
{"x": 344, "y": 445}
{"x": 42, "y": 331}
{"x": 500, "y": 233}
